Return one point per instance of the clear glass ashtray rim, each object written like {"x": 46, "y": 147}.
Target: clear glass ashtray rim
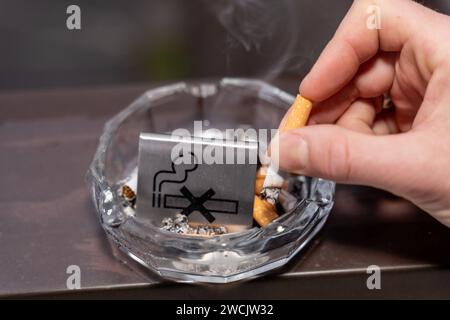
{"x": 97, "y": 182}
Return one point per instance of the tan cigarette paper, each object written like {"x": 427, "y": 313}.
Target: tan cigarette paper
{"x": 260, "y": 177}
{"x": 298, "y": 114}
{"x": 263, "y": 212}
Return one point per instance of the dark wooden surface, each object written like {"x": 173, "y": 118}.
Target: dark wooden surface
{"x": 47, "y": 222}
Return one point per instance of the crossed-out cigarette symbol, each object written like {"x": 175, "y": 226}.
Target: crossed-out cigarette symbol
{"x": 197, "y": 203}
{"x": 187, "y": 201}
{"x": 205, "y": 204}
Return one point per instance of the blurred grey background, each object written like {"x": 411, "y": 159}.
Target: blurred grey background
{"x": 160, "y": 40}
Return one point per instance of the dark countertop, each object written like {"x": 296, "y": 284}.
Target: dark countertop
{"x": 47, "y": 222}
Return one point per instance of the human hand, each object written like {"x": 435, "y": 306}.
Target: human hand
{"x": 352, "y": 138}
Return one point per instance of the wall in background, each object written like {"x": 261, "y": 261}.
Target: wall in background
{"x": 153, "y": 40}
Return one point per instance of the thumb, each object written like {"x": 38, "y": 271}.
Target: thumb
{"x": 346, "y": 156}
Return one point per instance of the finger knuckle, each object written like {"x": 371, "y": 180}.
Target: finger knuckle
{"x": 339, "y": 164}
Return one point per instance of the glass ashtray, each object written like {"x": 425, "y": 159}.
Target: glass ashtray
{"x": 228, "y": 103}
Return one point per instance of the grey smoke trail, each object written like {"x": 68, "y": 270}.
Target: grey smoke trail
{"x": 257, "y": 23}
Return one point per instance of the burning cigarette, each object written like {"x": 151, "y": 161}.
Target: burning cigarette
{"x": 297, "y": 117}
{"x": 263, "y": 212}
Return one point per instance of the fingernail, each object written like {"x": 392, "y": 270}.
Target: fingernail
{"x": 293, "y": 153}
{"x": 306, "y": 77}
{"x": 301, "y": 151}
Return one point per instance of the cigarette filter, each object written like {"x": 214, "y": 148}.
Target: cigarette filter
{"x": 263, "y": 212}
{"x": 298, "y": 114}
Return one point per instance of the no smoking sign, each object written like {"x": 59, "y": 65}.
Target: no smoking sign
{"x": 175, "y": 176}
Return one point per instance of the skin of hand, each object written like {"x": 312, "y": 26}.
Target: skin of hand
{"x": 351, "y": 138}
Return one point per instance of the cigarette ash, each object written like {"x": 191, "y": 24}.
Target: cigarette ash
{"x": 180, "y": 224}
{"x": 270, "y": 194}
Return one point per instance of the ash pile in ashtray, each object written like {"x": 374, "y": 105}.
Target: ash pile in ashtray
{"x": 180, "y": 224}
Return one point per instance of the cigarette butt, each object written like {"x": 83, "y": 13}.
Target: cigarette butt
{"x": 259, "y": 185}
{"x": 128, "y": 193}
{"x": 263, "y": 212}
{"x": 260, "y": 177}
{"x": 298, "y": 114}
